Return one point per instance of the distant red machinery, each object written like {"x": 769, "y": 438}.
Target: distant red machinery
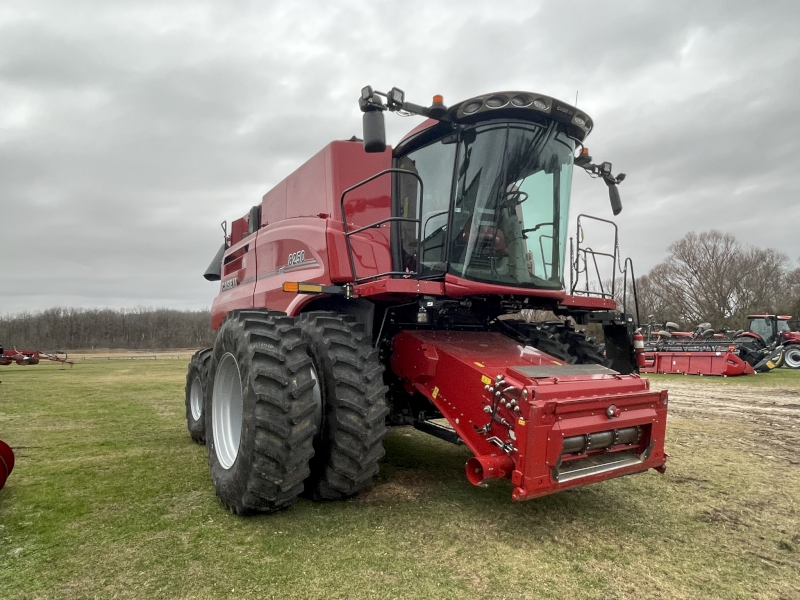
{"x": 766, "y": 332}
{"x": 31, "y": 357}
{"x": 705, "y": 352}
{"x": 6, "y": 462}
{"x": 716, "y": 362}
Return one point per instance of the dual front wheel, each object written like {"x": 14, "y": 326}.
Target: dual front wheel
{"x": 291, "y": 405}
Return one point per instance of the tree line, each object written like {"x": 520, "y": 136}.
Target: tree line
{"x": 712, "y": 277}
{"x": 85, "y": 328}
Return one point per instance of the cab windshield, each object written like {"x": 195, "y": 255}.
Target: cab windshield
{"x": 495, "y": 206}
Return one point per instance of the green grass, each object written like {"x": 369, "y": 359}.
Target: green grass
{"x": 777, "y": 378}
{"x": 111, "y": 499}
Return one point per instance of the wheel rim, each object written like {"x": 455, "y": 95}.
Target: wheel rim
{"x": 792, "y": 358}
{"x": 226, "y": 409}
{"x": 196, "y": 399}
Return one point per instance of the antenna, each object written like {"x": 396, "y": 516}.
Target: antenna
{"x": 576, "y": 98}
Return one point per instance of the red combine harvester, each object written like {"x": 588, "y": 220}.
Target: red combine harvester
{"x": 373, "y": 286}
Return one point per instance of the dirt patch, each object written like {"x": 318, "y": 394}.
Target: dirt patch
{"x": 404, "y": 486}
{"x": 772, "y": 414}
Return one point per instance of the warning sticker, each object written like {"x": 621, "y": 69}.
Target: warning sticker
{"x": 486, "y": 380}
{"x": 435, "y": 392}
{"x": 479, "y": 364}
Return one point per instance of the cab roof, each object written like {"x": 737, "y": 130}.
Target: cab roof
{"x": 511, "y": 105}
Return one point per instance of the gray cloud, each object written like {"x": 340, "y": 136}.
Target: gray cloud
{"x": 129, "y": 130}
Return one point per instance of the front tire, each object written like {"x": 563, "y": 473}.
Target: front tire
{"x": 791, "y": 357}
{"x": 352, "y": 405}
{"x": 260, "y": 412}
{"x": 196, "y": 386}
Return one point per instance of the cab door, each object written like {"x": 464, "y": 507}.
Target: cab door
{"x": 423, "y": 252}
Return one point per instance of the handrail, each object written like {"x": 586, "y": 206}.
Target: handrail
{"x": 633, "y": 288}
{"x": 579, "y": 264}
{"x": 348, "y": 233}
{"x": 575, "y": 270}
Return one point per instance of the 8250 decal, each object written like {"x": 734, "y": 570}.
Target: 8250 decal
{"x": 295, "y": 258}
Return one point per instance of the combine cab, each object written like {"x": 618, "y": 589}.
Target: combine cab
{"x": 378, "y": 286}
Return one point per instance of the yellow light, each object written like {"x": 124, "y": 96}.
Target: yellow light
{"x": 438, "y": 99}
{"x": 291, "y": 286}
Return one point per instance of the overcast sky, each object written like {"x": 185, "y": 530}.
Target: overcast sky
{"x": 130, "y": 129}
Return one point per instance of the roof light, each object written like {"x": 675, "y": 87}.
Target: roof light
{"x": 438, "y": 99}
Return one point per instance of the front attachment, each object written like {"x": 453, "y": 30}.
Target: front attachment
{"x": 531, "y": 418}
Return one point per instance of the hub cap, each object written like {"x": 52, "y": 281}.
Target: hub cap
{"x": 226, "y": 411}
{"x": 792, "y": 357}
{"x": 196, "y": 399}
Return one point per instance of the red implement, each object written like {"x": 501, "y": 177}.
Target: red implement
{"x": 31, "y": 357}
{"x": 544, "y": 424}
{"x": 723, "y": 363}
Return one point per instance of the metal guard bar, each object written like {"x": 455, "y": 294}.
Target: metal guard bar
{"x": 348, "y": 233}
{"x": 614, "y": 257}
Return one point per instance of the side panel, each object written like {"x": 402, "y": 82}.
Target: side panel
{"x": 308, "y": 189}
{"x": 364, "y": 205}
{"x": 293, "y": 250}
{"x": 239, "y": 267}
{"x": 273, "y": 205}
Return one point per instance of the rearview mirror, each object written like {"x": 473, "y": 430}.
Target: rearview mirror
{"x": 374, "y": 131}
{"x": 613, "y": 196}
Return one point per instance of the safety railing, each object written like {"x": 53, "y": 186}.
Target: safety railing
{"x": 348, "y": 234}
{"x": 584, "y": 260}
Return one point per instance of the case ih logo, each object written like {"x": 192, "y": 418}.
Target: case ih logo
{"x": 564, "y": 110}
{"x": 229, "y": 284}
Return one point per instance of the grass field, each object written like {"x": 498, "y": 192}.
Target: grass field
{"x": 111, "y": 499}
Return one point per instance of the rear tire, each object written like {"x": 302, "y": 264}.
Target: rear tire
{"x": 353, "y": 407}
{"x": 260, "y": 412}
{"x": 196, "y": 386}
{"x": 791, "y": 357}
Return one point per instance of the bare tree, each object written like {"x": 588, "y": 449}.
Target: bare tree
{"x": 712, "y": 277}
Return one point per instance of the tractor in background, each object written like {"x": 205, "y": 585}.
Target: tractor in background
{"x": 767, "y": 333}
{"x": 371, "y": 288}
